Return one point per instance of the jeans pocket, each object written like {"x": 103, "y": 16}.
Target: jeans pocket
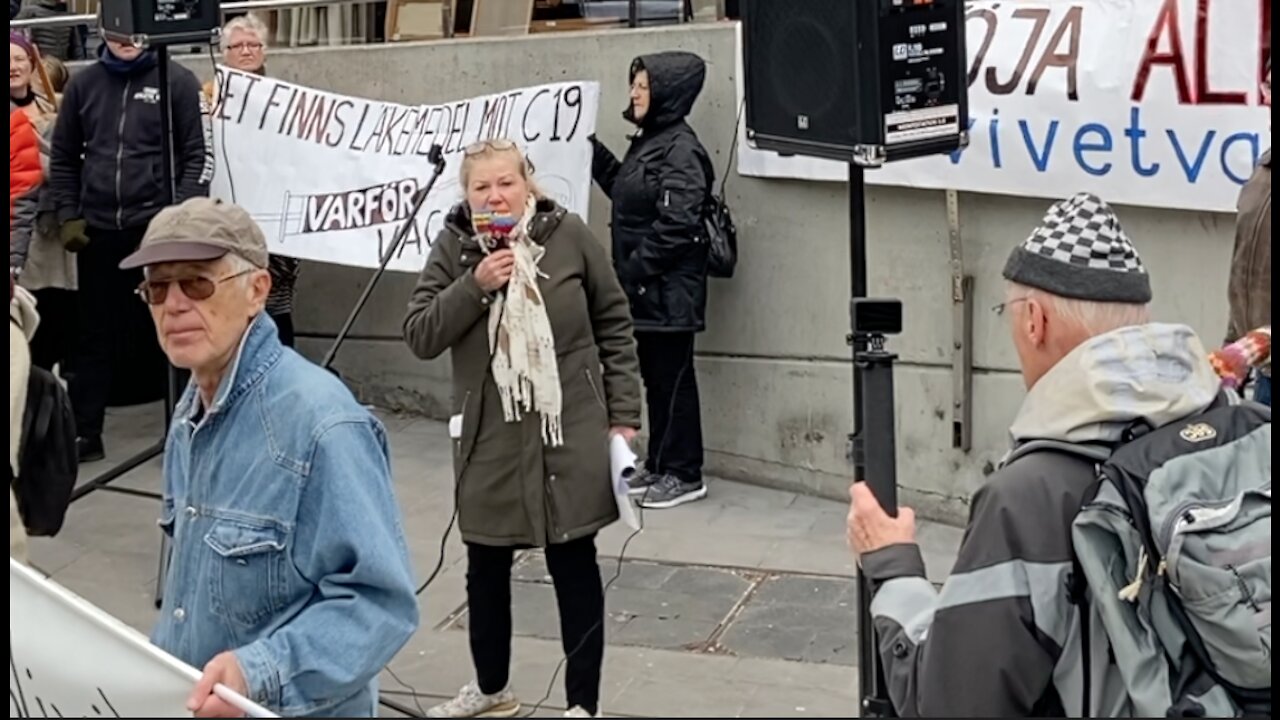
{"x": 247, "y": 578}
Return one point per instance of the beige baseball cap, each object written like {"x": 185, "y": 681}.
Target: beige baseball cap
{"x": 199, "y": 230}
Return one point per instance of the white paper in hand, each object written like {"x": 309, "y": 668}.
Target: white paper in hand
{"x": 622, "y": 463}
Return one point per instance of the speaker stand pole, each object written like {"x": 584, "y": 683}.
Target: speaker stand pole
{"x": 872, "y": 686}
{"x": 172, "y": 388}
{"x": 173, "y": 385}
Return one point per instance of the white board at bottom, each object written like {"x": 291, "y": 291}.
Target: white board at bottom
{"x": 68, "y": 658}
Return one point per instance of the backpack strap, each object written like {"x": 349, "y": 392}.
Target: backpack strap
{"x": 1078, "y": 594}
{"x": 1096, "y": 452}
{"x": 1077, "y": 585}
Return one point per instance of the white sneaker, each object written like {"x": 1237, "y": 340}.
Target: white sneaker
{"x": 579, "y": 713}
{"x": 471, "y": 703}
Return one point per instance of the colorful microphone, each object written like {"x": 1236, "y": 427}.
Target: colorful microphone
{"x": 497, "y": 226}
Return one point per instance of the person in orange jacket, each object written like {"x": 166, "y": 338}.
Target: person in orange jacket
{"x": 25, "y": 177}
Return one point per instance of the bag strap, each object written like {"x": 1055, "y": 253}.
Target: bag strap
{"x": 1078, "y": 594}
{"x": 1097, "y": 452}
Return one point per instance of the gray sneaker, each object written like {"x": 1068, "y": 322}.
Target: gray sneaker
{"x": 471, "y": 703}
{"x": 640, "y": 483}
{"x": 670, "y": 492}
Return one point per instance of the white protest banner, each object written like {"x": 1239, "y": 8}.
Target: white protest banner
{"x": 68, "y": 658}
{"x": 332, "y": 178}
{"x": 1144, "y": 102}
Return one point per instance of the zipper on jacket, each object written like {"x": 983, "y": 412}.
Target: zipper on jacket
{"x": 595, "y": 390}
{"x": 124, "y": 111}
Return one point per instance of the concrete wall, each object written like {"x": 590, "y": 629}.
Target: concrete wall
{"x": 774, "y": 371}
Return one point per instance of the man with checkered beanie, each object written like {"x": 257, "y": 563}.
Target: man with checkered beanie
{"x": 1002, "y": 639}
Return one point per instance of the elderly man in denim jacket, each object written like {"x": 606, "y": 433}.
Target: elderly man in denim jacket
{"x": 290, "y": 581}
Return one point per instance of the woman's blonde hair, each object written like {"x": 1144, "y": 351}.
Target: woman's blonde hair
{"x": 485, "y": 149}
{"x": 57, "y": 72}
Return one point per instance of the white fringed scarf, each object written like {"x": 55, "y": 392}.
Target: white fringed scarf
{"x": 520, "y": 338}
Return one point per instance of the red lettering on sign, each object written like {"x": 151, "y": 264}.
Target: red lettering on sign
{"x": 1264, "y": 53}
{"x": 1166, "y": 25}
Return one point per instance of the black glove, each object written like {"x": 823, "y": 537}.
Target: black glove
{"x": 74, "y": 235}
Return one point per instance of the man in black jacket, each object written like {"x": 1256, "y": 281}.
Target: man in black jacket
{"x": 107, "y": 179}
{"x": 659, "y": 192}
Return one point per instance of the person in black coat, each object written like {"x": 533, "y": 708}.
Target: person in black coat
{"x": 107, "y": 180}
{"x": 659, "y": 191}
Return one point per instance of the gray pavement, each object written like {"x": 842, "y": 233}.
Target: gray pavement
{"x": 743, "y": 605}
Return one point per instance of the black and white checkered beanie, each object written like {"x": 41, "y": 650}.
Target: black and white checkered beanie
{"x": 1081, "y": 252}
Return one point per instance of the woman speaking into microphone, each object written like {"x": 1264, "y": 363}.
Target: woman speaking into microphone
{"x": 545, "y": 372}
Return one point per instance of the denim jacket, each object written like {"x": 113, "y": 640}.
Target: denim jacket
{"x": 287, "y": 542}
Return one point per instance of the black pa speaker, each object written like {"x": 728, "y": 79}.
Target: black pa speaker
{"x": 862, "y": 81}
{"x": 156, "y": 22}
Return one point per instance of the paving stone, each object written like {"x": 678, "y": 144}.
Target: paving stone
{"x": 800, "y": 619}
{"x": 652, "y": 605}
{"x": 806, "y": 592}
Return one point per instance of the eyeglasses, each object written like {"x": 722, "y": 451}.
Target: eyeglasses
{"x": 156, "y": 292}
{"x": 499, "y": 145}
{"x": 242, "y": 46}
{"x": 483, "y": 146}
{"x": 1002, "y": 307}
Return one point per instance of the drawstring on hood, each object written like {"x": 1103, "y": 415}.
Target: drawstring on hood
{"x": 1156, "y": 373}
{"x": 676, "y": 80}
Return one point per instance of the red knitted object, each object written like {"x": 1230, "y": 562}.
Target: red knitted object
{"x": 1234, "y": 362}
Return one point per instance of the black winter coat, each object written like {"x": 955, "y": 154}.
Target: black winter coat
{"x": 659, "y": 192}
{"x": 105, "y": 162}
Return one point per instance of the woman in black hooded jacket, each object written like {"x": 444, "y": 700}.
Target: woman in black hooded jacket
{"x": 659, "y": 191}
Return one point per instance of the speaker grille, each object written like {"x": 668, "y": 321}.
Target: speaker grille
{"x": 804, "y": 84}
{"x": 800, "y": 69}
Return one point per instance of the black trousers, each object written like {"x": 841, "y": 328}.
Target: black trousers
{"x": 54, "y": 338}
{"x": 115, "y": 327}
{"x": 675, "y": 410}
{"x": 580, "y": 595}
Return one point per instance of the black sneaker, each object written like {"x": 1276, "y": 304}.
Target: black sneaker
{"x": 640, "y": 483}
{"x": 670, "y": 492}
{"x": 90, "y": 450}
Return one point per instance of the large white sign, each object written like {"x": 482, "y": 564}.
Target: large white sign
{"x": 67, "y": 658}
{"x": 332, "y": 178}
{"x": 1144, "y": 102}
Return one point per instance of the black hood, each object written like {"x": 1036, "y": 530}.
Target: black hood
{"x": 675, "y": 81}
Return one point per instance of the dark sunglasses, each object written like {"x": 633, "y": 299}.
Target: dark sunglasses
{"x": 156, "y": 292}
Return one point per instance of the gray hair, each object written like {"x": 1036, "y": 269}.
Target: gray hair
{"x": 250, "y": 23}
{"x": 1093, "y": 317}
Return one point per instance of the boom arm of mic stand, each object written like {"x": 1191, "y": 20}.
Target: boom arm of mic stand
{"x": 436, "y": 158}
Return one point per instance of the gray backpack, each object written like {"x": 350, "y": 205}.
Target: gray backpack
{"x": 1173, "y": 554}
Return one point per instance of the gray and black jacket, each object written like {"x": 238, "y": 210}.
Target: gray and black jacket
{"x": 1003, "y": 638}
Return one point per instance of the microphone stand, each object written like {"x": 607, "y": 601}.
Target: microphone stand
{"x": 436, "y": 158}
